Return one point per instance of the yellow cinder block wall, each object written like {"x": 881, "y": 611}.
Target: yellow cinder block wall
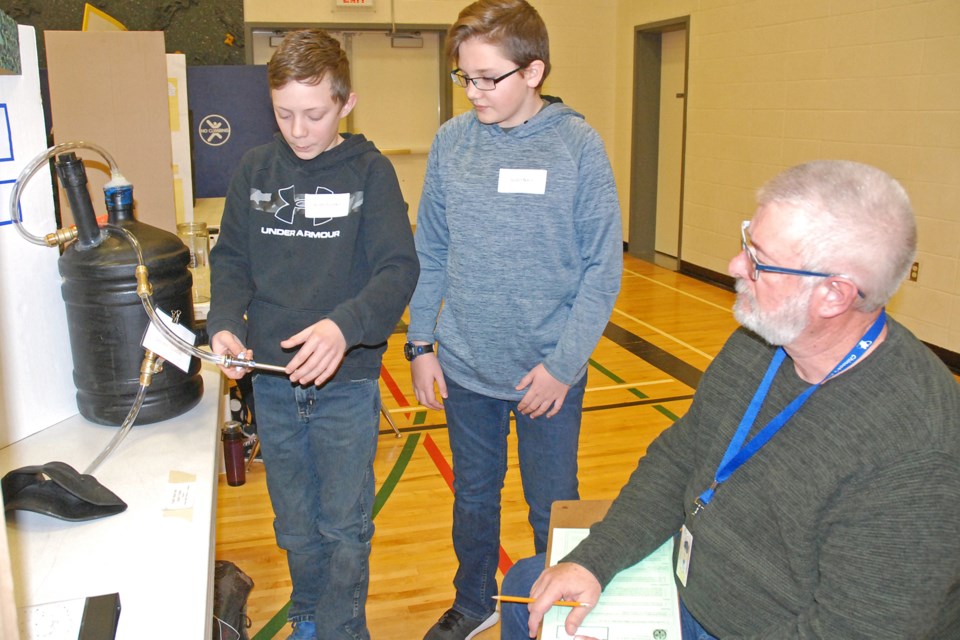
{"x": 771, "y": 83}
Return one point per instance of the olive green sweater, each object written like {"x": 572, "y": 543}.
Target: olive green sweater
{"x": 845, "y": 525}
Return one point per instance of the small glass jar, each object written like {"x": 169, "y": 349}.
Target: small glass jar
{"x": 197, "y": 238}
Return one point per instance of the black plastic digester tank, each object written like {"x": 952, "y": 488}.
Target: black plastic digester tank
{"x": 107, "y": 321}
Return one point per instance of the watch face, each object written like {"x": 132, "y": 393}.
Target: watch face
{"x": 411, "y": 351}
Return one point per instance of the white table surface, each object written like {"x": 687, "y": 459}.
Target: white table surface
{"x": 159, "y": 561}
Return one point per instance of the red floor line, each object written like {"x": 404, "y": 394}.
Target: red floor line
{"x": 447, "y": 473}
{"x": 394, "y": 388}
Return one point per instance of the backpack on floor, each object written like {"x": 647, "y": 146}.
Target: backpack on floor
{"x": 231, "y": 587}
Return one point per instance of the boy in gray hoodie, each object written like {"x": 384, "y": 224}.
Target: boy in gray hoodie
{"x": 519, "y": 239}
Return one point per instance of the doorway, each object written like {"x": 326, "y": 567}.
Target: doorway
{"x": 657, "y": 152}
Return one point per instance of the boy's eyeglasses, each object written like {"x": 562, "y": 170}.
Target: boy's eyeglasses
{"x": 483, "y": 84}
{"x": 759, "y": 267}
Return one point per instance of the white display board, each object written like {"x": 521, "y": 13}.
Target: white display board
{"x": 36, "y": 382}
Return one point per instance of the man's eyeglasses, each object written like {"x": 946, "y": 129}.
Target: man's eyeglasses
{"x": 759, "y": 267}
{"x": 483, "y": 84}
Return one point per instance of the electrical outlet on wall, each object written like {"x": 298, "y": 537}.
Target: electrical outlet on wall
{"x": 914, "y": 272}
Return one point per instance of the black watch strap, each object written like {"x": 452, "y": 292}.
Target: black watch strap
{"x": 411, "y": 351}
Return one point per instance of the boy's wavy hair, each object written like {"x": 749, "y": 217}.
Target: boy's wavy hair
{"x": 512, "y": 25}
{"x": 309, "y": 56}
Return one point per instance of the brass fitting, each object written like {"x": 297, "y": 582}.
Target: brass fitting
{"x": 152, "y": 364}
{"x": 144, "y": 288}
{"x": 61, "y": 236}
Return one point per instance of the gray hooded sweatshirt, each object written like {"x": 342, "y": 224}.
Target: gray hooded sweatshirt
{"x": 520, "y": 242}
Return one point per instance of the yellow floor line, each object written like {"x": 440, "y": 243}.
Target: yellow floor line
{"x": 728, "y": 309}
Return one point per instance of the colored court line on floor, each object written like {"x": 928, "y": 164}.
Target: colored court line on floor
{"x": 651, "y": 353}
{"x": 420, "y": 416}
{"x": 274, "y": 625}
{"x": 447, "y": 473}
{"x": 393, "y": 387}
{"x": 279, "y": 620}
{"x": 679, "y": 292}
{"x": 386, "y": 489}
{"x": 610, "y": 374}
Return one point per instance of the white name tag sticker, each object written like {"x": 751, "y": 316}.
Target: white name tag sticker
{"x": 326, "y": 205}
{"x": 523, "y": 181}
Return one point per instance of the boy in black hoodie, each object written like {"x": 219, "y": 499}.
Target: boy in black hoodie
{"x": 315, "y": 260}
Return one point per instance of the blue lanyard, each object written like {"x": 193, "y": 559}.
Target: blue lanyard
{"x": 737, "y": 453}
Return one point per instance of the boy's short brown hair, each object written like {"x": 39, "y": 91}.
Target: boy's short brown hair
{"x": 513, "y": 25}
{"x": 308, "y": 56}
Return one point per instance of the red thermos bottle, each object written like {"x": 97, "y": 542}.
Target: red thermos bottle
{"x": 233, "y": 458}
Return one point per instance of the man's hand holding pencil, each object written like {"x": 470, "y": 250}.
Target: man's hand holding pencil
{"x": 567, "y": 584}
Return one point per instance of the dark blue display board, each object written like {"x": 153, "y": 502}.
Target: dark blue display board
{"x": 230, "y": 112}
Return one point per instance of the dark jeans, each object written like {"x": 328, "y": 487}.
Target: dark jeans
{"x": 547, "y": 451}
{"x": 318, "y": 447}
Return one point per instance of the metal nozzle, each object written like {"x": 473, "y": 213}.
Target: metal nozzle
{"x": 229, "y": 360}
{"x": 61, "y": 236}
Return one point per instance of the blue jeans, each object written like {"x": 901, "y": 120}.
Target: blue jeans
{"x": 518, "y": 582}
{"x": 547, "y": 450}
{"x": 318, "y": 447}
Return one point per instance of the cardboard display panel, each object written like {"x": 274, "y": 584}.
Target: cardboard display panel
{"x": 110, "y": 89}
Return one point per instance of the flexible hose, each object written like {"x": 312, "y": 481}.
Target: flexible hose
{"x": 34, "y": 166}
{"x": 152, "y": 364}
{"x": 122, "y": 433}
{"x": 145, "y": 291}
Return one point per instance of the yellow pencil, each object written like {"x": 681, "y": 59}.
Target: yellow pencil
{"x": 522, "y": 599}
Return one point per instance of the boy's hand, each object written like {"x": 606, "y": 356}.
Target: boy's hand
{"x": 425, "y": 372}
{"x": 563, "y": 581}
{"x": 544, "y": 395}
{"x": 320, "y": 356}
{"x": 224, "y": 342}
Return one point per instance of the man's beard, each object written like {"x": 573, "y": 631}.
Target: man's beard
{"x": 780, "y": 327}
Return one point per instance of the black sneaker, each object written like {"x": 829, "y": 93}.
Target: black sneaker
{"x": 453, "y": 625}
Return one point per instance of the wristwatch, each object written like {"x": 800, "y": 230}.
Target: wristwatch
{"x": 411, "y": 351}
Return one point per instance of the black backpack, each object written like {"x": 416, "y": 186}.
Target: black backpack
{"x": 231, "y": 586}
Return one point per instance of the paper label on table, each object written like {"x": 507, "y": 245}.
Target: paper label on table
{"x": 179, "y": 496}
{"x": 51, "y": 621}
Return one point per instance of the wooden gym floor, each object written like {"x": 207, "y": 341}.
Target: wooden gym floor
{"x": 664, "y": 331}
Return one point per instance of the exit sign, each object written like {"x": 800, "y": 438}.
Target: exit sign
{"x": 354, "y": 3}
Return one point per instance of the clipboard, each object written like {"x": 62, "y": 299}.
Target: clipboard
{"x": 575, "y": 514}
{"x": 628, "y": 606}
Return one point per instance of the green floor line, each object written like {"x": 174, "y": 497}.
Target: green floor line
{"x": 610, "y": 374}
{"x": 279, "y": 620}
{"x": 398, "y": 468}
{"x": 666, "y": 412}
{"x": 273, "y": 627}
{"x": 420, "y": 418}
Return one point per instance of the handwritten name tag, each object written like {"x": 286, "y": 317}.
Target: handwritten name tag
{"x": 523, "y": 181}
{"x": 326, "y": 205}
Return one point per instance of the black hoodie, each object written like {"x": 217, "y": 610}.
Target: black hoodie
{"x": 286, "y": 271}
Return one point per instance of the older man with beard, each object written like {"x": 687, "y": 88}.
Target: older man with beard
{"x": 816, "y": 475}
